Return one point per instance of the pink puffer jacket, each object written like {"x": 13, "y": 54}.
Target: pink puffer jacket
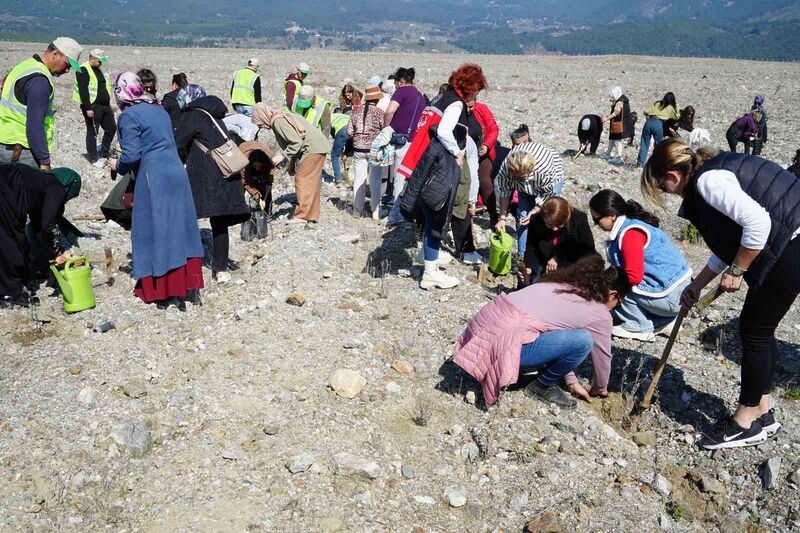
{"x": 489, "y": 348}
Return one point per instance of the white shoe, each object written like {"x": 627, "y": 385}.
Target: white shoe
{"x": 223, "y": 276}
{"x": 444, "y": 258}
{"x": 666, "y": 329}
{"x": 646, "y": 336}
{"x": 472, "y": 258}
{"x": 432, "y": 277}
{"x": 100, "y": 163}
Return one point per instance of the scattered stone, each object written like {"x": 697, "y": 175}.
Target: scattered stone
{"x": 519, "y": 501}
{"x": 407, "y": 472}
{"x": 470, "y": 452}
{"x": 331, "y": 525}
{"x": 404, "y": 272}
{"x": 770, "y": 473}
{"x": 711, "y": 485}
{"x": 296, "y": 299}
{"x": 300, "y": 463}
{"x": 544, "y": 523}
{"x": 232, "y": 454}
{"x": 403, "y": 367}
{"x": 347, "y": 383}
{"x": 132, "y": 436}
{"x": 456, "y": 497}
{"x": 794, "y": 477}
{"x": 104, "y": 327}
{"x": 327, "y": 275}
{"x": 661, "y": 485}
{"x": 470, "y": 397}
{"x": 87, "y": 397}
{"x": 351, "y": 238}
{"x": 347, "y": 464}
{"x": 135, "y": 388}
{"x": 393, "y": 388}
{"x": 75, "y": 369}
{"x": 271, "y": 429}
{"x": 644, "y": 438}
{"x": 424, "y": 500}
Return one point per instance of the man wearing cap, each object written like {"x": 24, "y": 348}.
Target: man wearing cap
{"x": 92, "y": 91}
{"x": 293, "y": 82}
{"x": 246, "y": 88}
{"x": 27, "y": 122}
{"x": 315, "y": 109}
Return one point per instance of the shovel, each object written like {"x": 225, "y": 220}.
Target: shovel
{"x": 702, "y": 303}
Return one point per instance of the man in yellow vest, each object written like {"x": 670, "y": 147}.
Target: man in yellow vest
{"x": 293, "y": 82}
{"x": 92, "y": 91}
{"x": 246, "y": 88}
{"x": 315, "y": 109}
{"x": 339, "y": 123}
{"x": 27, "y": 122}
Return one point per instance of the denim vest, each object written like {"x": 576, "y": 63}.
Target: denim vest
{"x": 664, "y": 266}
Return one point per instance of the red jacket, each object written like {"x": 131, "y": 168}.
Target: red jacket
{"x": 489, "y": 125}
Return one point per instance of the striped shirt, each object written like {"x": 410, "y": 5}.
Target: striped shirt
{"x": 542, "y": 183}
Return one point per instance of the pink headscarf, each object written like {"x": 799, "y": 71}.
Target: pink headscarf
{"x": 128, "y": 90}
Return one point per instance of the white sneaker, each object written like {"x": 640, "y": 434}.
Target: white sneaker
{"x": 100, "y": 163}
{"x": 443, "y": 260}
{"x": 223, "y": 276}
{"x": 432, "y": 277}
{"x": 666, "y": 329}
{"x": 646, "y": 336}
{"x": 472, "y": 258}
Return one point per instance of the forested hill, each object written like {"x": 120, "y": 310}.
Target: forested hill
{"x": 727, "y": 28}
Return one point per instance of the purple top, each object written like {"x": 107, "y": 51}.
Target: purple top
{"x": 559, "y": 311}
{"x": 412, "y": 103}
{"x": 745, "y": 127}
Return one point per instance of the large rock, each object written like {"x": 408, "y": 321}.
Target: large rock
{"x": 132, "y": 436}
{"x": 347, "y": 383}
{"x": 770, "y": 473}
{"x": 347, "y": 464}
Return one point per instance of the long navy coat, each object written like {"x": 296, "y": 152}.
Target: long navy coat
{"x": 164, "y": 232}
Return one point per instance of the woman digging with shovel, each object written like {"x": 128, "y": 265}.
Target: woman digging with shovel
{"x": 748, "y": 211}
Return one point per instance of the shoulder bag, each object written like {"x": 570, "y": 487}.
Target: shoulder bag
{"x": 228, "y": 157}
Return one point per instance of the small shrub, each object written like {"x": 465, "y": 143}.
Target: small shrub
{"x": 792, "y": 394}
{"x": 689, "y": 234}
{"x": 675, "y": 511}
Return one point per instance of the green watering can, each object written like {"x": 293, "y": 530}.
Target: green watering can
{"x": 75, "y": 283}
{"x": 500, "y": 246}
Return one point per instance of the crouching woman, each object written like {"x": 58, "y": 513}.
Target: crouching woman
{"x": 551, "y": 326}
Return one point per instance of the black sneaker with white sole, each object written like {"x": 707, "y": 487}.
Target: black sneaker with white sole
{"x": 728, "y": 434}
{"x": 768, "y": 422}
{"x": 552, "y": 394}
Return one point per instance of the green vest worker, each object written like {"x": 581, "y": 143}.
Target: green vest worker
{"x": 293, "y": 82}
{"x": 246, "y": 88}
{"x": 92, "y": 91}
{"x": 315, "y": 109}
{"x": 27, "y": 123}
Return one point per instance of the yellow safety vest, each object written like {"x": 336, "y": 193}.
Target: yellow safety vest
{"x": 314, "y": 113}
{"x": 297, "y": 85}
{"x": 76, "y": 95}
{"x": 14, "y": 114}
{"x": 243, "y": 82}
{"x": 339, "y": 121}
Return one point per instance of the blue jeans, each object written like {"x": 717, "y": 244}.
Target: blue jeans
{"x": 653, "y": 127}
{"x": 339, "y": 143}
{"x": 526, "y": 203}
{"x": 243, "y": 109}
{"x": 430, "y": 245}
{"x": 556, "y": 354}
{"x": 640, "y": 313}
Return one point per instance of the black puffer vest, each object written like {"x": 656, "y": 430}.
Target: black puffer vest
{"x": 441, "y": 102}
{"x": 775, "y": 189}
{"x": 626, "y": 118}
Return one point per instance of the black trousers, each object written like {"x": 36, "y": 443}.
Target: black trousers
{"x": 103, "y": 118}
{"x": 462, "y": 235}
{"x": 486, "y": 187}
{"x": 730, "y": 135}
{"x": 219, "y": 232}
{"x": 764, "y": 308}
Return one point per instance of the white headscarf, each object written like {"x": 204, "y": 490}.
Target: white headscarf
{"x": 616, "y": 92}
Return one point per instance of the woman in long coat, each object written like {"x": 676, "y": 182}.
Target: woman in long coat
{"x": 165, "y": 239}
{"x": 216, "y": 197}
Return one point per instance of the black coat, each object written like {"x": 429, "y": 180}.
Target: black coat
{"x": 213, "y": 194}
{"x": 626, "y": 118}
{"x": 575, "y": 240}
{"x": 170, "y": 104}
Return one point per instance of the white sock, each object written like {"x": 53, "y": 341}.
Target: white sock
{"x": 431, "y": 267}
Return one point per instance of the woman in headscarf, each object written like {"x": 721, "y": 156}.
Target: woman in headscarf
{"x": 165, "y": 239}
{"x": 301, "y": 143}
{"x": 621, "y": 126}
{"x": 27, "y": 192}
{"x": 216, "y": 197}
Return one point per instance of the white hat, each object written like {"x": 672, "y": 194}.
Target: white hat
{"x": 99, "y": 54}
{"x": 306, "y": 92}
{"x": 375, "y": 80}
{"x": 304, "y": 68}
{"x": 252, "y": 62}
{"x": 586, "y": 124}
{"x": 70, "y": 48}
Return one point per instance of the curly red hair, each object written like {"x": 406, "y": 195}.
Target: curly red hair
{"x": 468, "y": 79}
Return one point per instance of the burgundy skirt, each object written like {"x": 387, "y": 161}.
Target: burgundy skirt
{"x": 175, "y": 283}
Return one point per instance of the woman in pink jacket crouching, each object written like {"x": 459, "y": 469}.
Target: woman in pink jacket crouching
{"x": 553, "y": 326}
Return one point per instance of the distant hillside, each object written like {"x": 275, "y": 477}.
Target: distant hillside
{"x": 729, "y": 28}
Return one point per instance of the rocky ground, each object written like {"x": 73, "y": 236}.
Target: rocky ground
{"x": 223, "y": 417}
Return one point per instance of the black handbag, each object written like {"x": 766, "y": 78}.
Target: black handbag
{"x": 399, "y": 140}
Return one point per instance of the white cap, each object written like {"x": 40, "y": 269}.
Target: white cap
{"x": 585, "y": 124}
{"x": 304, "y": 68}
{"x": 70, "y": 48}
{"x": 306, "y": 92}
{"x": 99, "y": 54}
{"x": 252, "y": 62}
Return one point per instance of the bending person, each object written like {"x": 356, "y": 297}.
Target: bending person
{"x": 748, "y": 211}
{"x": 656, "y": 269}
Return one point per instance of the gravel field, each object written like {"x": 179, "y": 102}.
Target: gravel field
{"x": 222, "y": 417}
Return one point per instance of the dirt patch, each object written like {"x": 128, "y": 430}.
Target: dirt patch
{"x": 690, "y": 500}
{"x": 616, "y": 412}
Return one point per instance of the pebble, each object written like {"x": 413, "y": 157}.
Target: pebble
{"x": 519, "y": 501}
{"x": 711, "y": 485}
{"x": 661, "y": 485}
{"x": 794, "y": 477}
{"x": 470, "y": 397}
{"x": 407, "y": 472}
{"x": 423, "y": 500}
{"x": 87, "y": 397}
{"x": 75, "y": 369}
{"x": 644, "y": 438}
{"x": 456, "y": 497}
{"x": 135, "y": 388}
{"x": 271, "y": 429}
{"x": 403, "y": 367}
{"x": 104, "y": 327}
{"x": 296, "y": 299}
{"x": 470, "y": 451}
{"x": 770, "y": 473}
{"x": 544, "y": 523}
{"x": 300, "y": 462}
{"x": 347, "y": 383}
{"x": 348, "y": 464}
{"x": 132, "y": 436}
{"x": 393, "y": 388}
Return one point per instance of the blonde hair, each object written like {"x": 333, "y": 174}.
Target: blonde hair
{"x": 757, "y": 115}
{"x": 520, "y": 163}
{"x": 671, "y": 155}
